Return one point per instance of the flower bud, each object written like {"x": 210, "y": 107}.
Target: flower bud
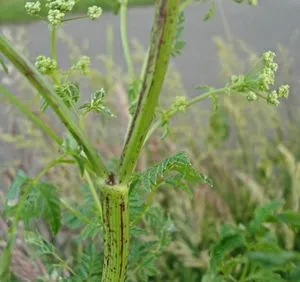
{"x": 251, "y": 96}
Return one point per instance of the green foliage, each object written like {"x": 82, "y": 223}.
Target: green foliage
{"x": 96, "y": 104}
{"x": 179, "y": 163}
{"x": 87, "y": 267}
{"x": 13, "y": 193}
{"x": 36, "y": 201}
{"x": 253, "y": 252}
{"x": 178, "y": 42}
{"x": 149, "y": 243}
{"x": 43, "y": 202}
{"x": 149, "y": 180}
{"x": 264, "y": 248}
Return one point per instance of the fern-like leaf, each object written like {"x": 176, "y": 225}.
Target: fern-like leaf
{"x": 178, "y": 42}
{"x": 178, "y": 163}
{"x": 42, "y": 202}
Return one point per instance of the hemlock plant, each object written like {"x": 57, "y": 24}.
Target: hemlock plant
{"x": 118, "y": 193}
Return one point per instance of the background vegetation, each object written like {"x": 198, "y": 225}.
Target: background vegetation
{"x": 251, "y": 153}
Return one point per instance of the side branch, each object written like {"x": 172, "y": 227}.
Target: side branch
{"x": 55, "y": 102}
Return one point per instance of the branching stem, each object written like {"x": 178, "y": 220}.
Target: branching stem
{"x": 162, "y": 37}
{"x": 55, "y": 102}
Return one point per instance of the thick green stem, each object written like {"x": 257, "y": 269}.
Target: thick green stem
{"x": 116, "y": 232}
{"x": 161, "y": 47}
{"x": 124, "y": 37}
{"x": 55, "y": 102}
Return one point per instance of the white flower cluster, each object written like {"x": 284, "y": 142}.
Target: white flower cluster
{"x": 94, "y": 12}
{"x": 281, "y": 92}
{"x": 55, "y": 17}
{"x": 259, "y": 82}
{"x": 83, "y": 65}
{"x": 45, "y": 65}
{"x": 33, "y": 8}
{"x": 267, "y": 75}
{"x": 58, "y": 10}
{"x": 63, "y": 6}
{"x": 251, "y": 96}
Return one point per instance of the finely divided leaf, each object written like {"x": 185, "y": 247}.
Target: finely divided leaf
{"x": 43, "y": 202}
{"x": 13, "y": 193}
{"x": 178, "y": 163}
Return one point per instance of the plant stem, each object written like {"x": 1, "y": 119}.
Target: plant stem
{"x": 116, "y": 232}
{"x": 94, "y": 194}
{"x": 162, "y": 37}
{"x": 75, "y": 18}
{"x": 191, "y": 102}
{"x": 124, "y": 38}
{"x": 76, "y": 213}
{"x": 32, "y": 117}
{"x": 51, "y": 164}
{"x": 53, "y": 42}
{"x": 55, "y": 102}
{"x": 5, "y": 259}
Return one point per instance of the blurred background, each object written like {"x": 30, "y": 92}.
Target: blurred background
{"x": 250, "y": 151}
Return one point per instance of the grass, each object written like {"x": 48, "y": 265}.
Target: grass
{"x": 12, "y": 11}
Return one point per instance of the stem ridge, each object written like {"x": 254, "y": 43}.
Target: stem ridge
{"x": 116, "y": 232}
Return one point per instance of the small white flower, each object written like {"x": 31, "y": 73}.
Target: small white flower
{"x": 283, "y": 91}
{"x": 55, "y": 17}
{"x": 273, "y": 98}
{"x": 61, "y": 5}
{"x": 251, "y": 96}
{"x": 33, "y": 8}
{"x": 45, "y": 65}
{"x": 268, "y": 57}
{"x": 94, "y": 12}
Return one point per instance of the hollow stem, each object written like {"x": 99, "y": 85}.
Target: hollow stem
{"x": 116, "y": 232}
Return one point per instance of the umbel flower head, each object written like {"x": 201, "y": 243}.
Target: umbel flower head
{"x": 55, "y": 17}
{"x": 258, "y": 83}
{"x": 45, "y": 65}
{"x": 94, "y": 12}
{"x": 63, "y": 6}
{"x": 33, "y": 8}
{"x": 58, "y": 9}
